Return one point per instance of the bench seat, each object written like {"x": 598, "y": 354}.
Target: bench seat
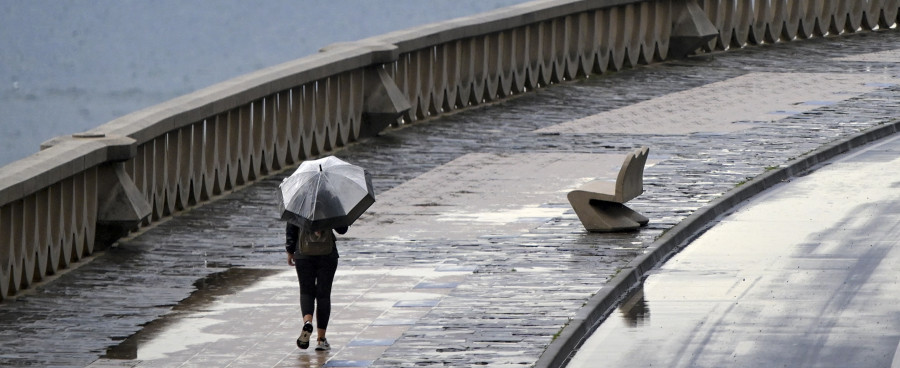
{"x": 600, "y": 204}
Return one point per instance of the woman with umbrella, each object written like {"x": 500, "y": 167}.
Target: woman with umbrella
{"x": 321, "y": 197}
{"x": 316, "y": 274}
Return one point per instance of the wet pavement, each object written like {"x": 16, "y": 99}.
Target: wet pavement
{"x": 803, "y": 275}
{"x": 472, "y": 255}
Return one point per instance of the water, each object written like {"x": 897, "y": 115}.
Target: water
{"x": 68, "y": 66}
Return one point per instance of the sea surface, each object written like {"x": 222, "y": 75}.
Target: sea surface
{"x": 67, "y": 66}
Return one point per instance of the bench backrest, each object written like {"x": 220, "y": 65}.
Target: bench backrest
{"x": 630, "y": 182}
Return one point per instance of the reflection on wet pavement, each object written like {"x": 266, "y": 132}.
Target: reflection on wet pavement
{"x": 635, "y": 310}
{"x": 239, "y": 316}
{"x": 184, "y": 326}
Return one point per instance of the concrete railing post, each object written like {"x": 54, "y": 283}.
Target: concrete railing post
{"x": 690, "y": 29}
{"x": 121, "y": 206}
{"x": 384, "y": 102}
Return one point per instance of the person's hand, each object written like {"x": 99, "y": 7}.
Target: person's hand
{"x": 290, "y": 259}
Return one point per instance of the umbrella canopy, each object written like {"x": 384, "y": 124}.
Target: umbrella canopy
{"x": 325, "y": 194}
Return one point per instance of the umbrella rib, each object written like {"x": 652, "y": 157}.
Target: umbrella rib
{"x": 315, "y": 198}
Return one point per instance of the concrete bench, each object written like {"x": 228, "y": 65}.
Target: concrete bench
{"x": 600, "y": 204}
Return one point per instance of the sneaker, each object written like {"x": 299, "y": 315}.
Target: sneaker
{"x": 303, "y": 340}
{"x": 323, "y": 345}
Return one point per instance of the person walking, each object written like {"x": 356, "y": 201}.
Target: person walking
{"x": 322, "y": 196}
{"x": 314, "y": 255}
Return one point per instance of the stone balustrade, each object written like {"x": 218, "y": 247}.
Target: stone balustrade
{"x": 81, "y": 193}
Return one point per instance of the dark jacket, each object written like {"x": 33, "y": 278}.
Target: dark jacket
{"x": 292, "y": 236}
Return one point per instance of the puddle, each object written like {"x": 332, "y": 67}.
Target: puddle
{"x": 785, "y": 112}
{"x": 185, "y": 324}
{"x": 525, "y": 214}
{"x": 819, "y": 103}
{"x": 880, "y": 85}
{"x": 424, "y": 272}
{"x": 537, "y": 269}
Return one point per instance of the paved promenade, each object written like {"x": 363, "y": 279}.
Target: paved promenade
{"x": 471, "y": 254}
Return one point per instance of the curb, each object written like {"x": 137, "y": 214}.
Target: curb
{"x": 602, "y": 304}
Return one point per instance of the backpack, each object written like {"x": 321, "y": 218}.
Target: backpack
{"x": 312, "y": 245}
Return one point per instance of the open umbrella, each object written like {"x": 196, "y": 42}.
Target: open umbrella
{"x": 325, "y": 194}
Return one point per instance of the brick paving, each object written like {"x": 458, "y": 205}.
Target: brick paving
{"x": 528, "y": 265}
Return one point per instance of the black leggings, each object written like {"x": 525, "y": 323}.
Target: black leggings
{"x": 316, "y": 275}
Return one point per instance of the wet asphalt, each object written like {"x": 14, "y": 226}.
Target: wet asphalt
{"x": 515, "y": 280}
